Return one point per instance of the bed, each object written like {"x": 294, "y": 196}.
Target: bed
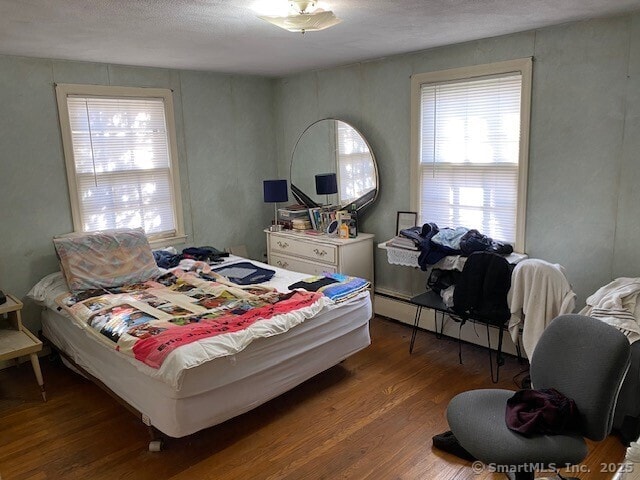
{"x": 204, "y": 395}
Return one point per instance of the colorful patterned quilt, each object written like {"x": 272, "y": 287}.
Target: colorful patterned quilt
{"x": 150, "y": 320}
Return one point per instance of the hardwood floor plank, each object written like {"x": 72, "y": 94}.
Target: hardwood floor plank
{"x": 371, "y": 417}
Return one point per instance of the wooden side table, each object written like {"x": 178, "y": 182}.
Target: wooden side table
{"x": 16, "y": 340}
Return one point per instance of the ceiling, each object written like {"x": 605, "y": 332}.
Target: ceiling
{"x": 227, "y": 35}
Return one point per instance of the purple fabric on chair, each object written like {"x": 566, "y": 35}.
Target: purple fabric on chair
{"x": 544, "y": 411}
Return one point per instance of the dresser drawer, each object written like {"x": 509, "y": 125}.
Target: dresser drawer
{"x": 312, "y": 250}
{"x": 300, "y": 265}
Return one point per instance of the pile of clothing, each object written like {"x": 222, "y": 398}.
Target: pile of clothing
{"x": 436, "y": 243}
{"x": 336, "y": 286}
{"x": 617, "y": 304}
{"x": 169, "y": 258}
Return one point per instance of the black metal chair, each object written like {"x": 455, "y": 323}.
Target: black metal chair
{"x": 433, "y": 301}
{"x": 585, "y": 360}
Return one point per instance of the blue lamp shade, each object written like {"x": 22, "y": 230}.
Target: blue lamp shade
{"x": 275, "y": 191}
{"x": 326, "y": 184}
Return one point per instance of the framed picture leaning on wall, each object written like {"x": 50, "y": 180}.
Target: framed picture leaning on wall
{"x": 405, "y": 220}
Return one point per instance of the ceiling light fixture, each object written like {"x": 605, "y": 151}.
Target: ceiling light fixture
{"x": 304, "y": 17}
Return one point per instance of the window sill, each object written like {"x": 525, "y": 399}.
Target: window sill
{"x": 168, "y": 241}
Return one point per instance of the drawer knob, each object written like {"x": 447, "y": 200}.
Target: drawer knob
{"x": 282, "y": 264}
{"x": 320, "y": 253}
{"x": 282, "y": 244}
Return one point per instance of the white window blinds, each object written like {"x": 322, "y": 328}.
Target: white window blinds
{"x": 469, "y": 152}
{"x": 122, "y": 164}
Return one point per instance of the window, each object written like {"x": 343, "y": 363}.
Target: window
{"x": 356, "y": 171}
{"x": 121, "y": 158}
{"x": 470, "y": 148}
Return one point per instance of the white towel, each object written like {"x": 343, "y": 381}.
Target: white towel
{"x": 539, "y": 293}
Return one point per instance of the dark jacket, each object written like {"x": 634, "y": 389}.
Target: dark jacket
{"x": 481, "y": 291}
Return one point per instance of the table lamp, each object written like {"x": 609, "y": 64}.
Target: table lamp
{"x": 326, "y": 184}
{"x": 275, "y": 191}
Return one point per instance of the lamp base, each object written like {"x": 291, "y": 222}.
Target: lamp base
{"x": 275, "y": 228}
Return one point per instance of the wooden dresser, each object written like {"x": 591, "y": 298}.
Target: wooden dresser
{"x": 314, "y": 254}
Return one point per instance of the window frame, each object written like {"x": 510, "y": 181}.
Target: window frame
{"x": 64, "y": 90}
{"x": 524, "y": 66}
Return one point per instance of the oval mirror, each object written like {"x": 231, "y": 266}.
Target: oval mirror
{"x": 332, "y": 146}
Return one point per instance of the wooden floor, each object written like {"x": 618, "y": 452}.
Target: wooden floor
{"x": 371, "y": 417}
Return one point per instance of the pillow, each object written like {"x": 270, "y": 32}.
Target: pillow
{"x": 110, "y": 258}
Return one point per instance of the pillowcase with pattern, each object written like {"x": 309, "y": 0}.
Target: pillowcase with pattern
{"x": 106, "y": 259}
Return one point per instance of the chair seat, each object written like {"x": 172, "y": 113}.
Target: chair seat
{"x": 433, "y": 300}
{"x": 477, "y": 419}
{"x": 430, "y": 299}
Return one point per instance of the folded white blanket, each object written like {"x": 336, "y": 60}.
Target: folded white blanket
{"x": 616, "y": 304}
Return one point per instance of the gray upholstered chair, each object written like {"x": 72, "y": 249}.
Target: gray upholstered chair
{"x": 582, "y": 358}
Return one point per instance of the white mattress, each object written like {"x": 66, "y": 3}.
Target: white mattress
{"x": 228, "y": 386}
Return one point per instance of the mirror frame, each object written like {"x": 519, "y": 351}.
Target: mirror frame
{"x": 359, "y": 203}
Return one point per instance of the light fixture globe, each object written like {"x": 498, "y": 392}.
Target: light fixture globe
{"x": 304, "y": 20}
{"x": 302, "y": 6}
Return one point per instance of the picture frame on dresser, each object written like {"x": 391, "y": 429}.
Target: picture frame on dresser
{"x": 405, "y": 220}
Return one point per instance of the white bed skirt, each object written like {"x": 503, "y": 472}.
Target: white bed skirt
{"x": 225, "y": 387}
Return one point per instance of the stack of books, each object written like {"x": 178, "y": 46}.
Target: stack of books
{"x": 402, "y": 242}
{"x": 294, "y": 217}
{"x": 321, "y": 217}
{"x": 301, "y": 224}
{"x": 315, "y": 215}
